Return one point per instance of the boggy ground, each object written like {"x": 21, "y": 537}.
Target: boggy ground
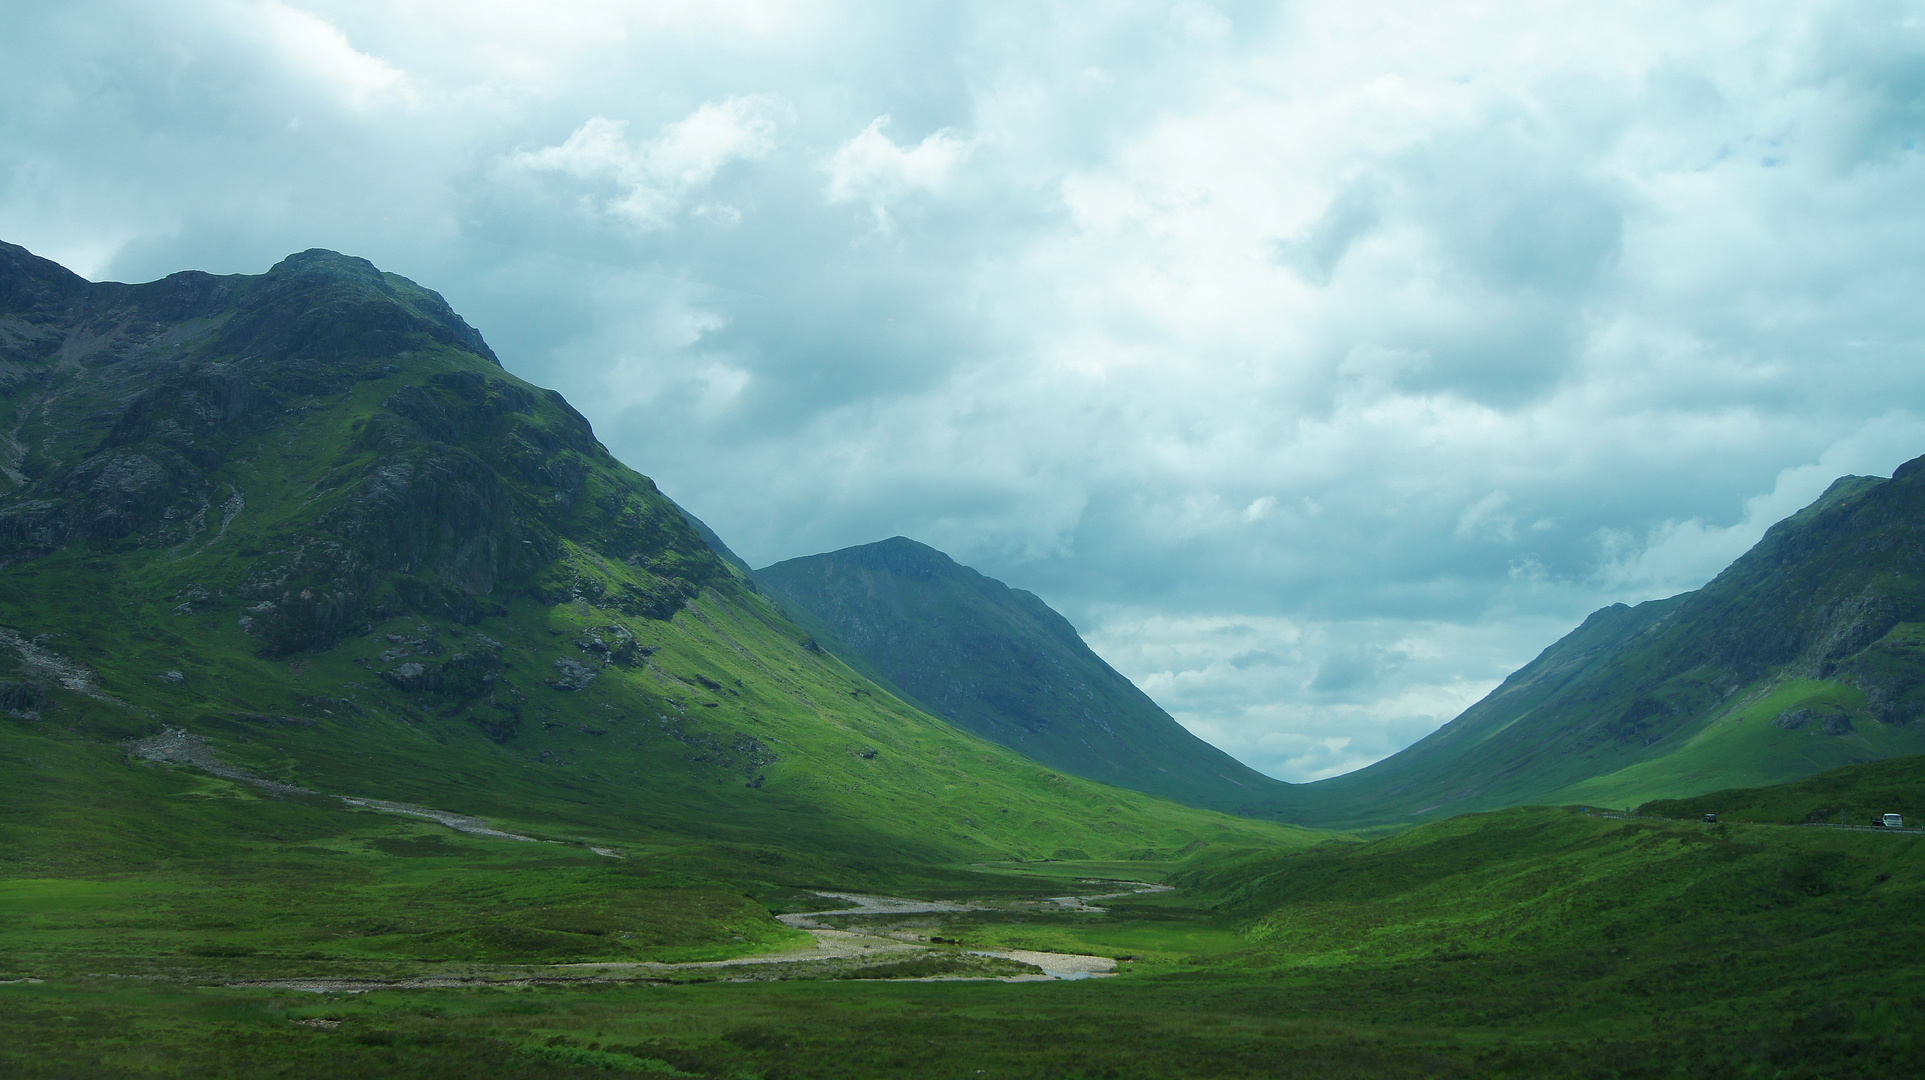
{"x": 1466, "y": 1019}
{"x": 1533, "y": 943}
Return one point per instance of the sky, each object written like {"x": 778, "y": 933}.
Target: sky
{"x": 1322, "y": 361}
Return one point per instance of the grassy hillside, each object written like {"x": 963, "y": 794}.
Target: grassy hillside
{"x": 1630, "y": 894}
{"x": 1687, "y": 932}
{"x": 1529, "y": 942}
{"x": 999, "y": 662}
{"x": 1848, "y": 796}
{"x": 303, "y": 530}
{"x": 1805, "y": 654}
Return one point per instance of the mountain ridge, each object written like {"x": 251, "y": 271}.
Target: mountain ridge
{"x": 1806, "y": 653}
{"x": 294, "y": 462}
{"x": 1699, "y": 691}
{"x": 1000, "y": 662}
{"x": 308, "y": 519}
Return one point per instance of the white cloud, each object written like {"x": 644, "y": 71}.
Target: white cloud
{"x": 1485, "y": 518}
{"x": 1401, "y": 335}
{"x": 1304, "y": 699}
{"x": 307, "y": 43}
{"x": 872, "y": 167}
{"x": 653, "y": 180}
{"x": 1678, "y": 555}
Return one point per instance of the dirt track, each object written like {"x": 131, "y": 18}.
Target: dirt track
{"x": 833, "y": 949}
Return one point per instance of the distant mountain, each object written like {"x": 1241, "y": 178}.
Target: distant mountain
{"x": 999, "y": 662}
{"x": 301, "y": 526}
{"x": 1805, "y": 654}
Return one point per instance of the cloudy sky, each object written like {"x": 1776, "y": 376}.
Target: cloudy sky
{"x": 1322, "y": 361}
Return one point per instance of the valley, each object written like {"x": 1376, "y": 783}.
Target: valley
{"x": 1534, "y": 942}
{"x": 361, "y": 714}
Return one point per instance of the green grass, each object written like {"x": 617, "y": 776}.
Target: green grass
{"x": 1357, "y": 1024}
{"x": 1742, "y": 748}
{"x": 1534, "y": 942}
{"x": 1848, "y": 795}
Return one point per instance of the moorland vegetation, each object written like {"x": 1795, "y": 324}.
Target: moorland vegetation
{"x": 363, "y": 716}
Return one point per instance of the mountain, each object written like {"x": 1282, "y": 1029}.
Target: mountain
{"x": 1001, "y": 663}
{"x": 1805, "y": 654}
{"x": 282, "y": 553}
{"x": 335, "y": 658}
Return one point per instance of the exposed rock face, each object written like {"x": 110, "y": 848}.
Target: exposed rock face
{"x": 425, "y": 479}
{"x": 1829, "y": 722}
{"x": 179, "y": 372}
{"x": 23, "y": 699}
{"x": 470, "y": 678}
{"x": 574, "y": 675}
{"x": 414, "y": 678}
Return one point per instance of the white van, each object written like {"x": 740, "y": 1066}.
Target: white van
{"x": 1894, "y": 821}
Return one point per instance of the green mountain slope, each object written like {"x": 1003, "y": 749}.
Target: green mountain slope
{"x": 1806, "y": 653}
{"x": 1849, "y": 795}
{"x": 302, "y": 529}
{"x": 1591, "y": 919}
{"x": 1539, "y": 882}
{"x": 999, "y": 662}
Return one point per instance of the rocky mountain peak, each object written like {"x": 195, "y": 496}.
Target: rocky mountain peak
{"x": 31, "y": 285}
{"x": 901, "y": 555}
{"x": 339, "y": 443}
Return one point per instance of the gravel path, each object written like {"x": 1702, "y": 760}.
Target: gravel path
{"x": 1058, "y": 965}
{"x": 177, "y": 746}
{"x": 875, "y": 905}
{"x": 473, "y": 826}
{"x": 41, "y": 662}
{"x": 180, "y": 747}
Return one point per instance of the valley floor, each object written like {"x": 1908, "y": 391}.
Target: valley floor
{"x": 1193, "y": 993}
{"x": 220, "y": 933}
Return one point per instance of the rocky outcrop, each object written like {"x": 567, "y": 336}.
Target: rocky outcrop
{"x": 232, "y": 414}
{"x": 572, "y": 675}
{"x": 1830, "y": 721}
{"x": 469, "y": 681}
{"x": 24, "y": 700}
